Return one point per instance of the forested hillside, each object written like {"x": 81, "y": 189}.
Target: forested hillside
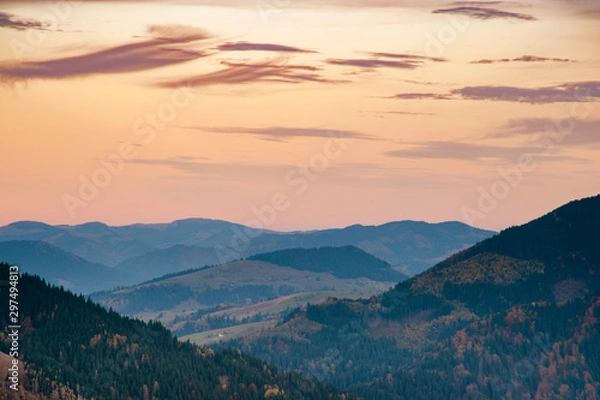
{"x": 73, "y": 348}
{"x": 515, "y": 316}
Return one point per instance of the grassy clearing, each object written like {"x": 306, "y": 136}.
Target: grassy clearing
{"x": 222, "y": 335}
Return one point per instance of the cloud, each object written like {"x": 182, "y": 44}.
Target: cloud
{"x": 278, "y": 133}
{"x": 247, "y": 46}
{"x": 421, "y": 96}
{"x": 569, "y": 131}
{"x": 386, "y": 114}
{"x": 526, "y": 58}
{"x": 408, "y": 113}
{"x": 485, "y": 13}
{"x": 385, "y": 60}
{"x": 413, "y": 57}
{"x": 563, "y": 93}
{"x": 165, "y": 47}
{"x": 462, "y": 151}
{"x": 213, "y": 170}
{"x": 373, "y": 63}
{"x": 11, "y": 21}
{"x": 239, "y": 73}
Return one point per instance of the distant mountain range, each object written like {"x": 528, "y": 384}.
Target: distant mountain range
{"x": 140, "y": 252}
{"x": 60, "y": 267}
{"x": 515, "y": 316}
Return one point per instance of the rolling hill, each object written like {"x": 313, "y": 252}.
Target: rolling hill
{"x": 343, "y": 262}
{"x": 248, "y": 281}
{"x": 515, "y": 316}
{"x": 167, "y": 261}
{"x": 71, "y": 348}
{"x": 60, "y": 267}
{"x": 209, "y": 298}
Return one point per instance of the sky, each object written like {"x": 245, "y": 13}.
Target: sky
{"x": 297, "y": 114}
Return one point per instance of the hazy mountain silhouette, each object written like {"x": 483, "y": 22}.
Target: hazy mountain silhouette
{"x": 60, "y": 267}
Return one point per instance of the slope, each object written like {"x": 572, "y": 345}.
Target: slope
{"x": 166, "y": 261}
{"x": 73, "y": 348}
{"x": 464, "y": 329}
{"x": 343, "y": 262}
{"x": 92, "y": 241}
{"x": 236, "y": 283}
{"x": 60, "y": 267}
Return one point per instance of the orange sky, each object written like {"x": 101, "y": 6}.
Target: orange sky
{"x": 309, "y": 114}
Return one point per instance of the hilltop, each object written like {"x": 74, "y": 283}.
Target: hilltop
{"x": 515, "y": 316}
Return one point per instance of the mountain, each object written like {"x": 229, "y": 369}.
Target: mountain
{"x": 167, "y": 261}
{"x": 515, "y": 316}
{"x": 408, "y": 246}
{"x": 93, "y": 241}
{"x": 60, "y": 267}
{"x": 343, "y": 262}
{"x": 235, "y": 293}
{"x": 553, "y": 258}
{"x": 70, "y": 348}
{"x": 191, "y": 232}
{"x": 254, "y": 280}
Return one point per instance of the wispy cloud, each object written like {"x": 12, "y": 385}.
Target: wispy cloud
{"x": 385, "y": 60}
{"x": 405, "y": 56}
{"x": 276, "y": 70}
{"x": 462, "y": 151}
{"x": 11, "y": 21}
{"x": 485, "y": 13}
{"x": 563, "y": 93}
{"x": 526, "y": 58}
{"x": 212, "y": 170}
{"x": 421, "y": 96}
{"x": 572, "y": 131}
{"x": 408, "y": 113}
{"x": 278, "y": 133}
{"x": 248, "y": 46}
{"x": 165, "y": 47}
{"x": 369, "y": 63}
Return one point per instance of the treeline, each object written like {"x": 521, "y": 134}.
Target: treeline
{"x": 73, "y": 347}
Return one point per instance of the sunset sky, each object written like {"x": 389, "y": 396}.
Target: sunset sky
{"x": 312, "y": 114}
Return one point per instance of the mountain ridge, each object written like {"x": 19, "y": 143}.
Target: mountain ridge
{"x": 60, "y": 267}
{"x": 528, "y": 297}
